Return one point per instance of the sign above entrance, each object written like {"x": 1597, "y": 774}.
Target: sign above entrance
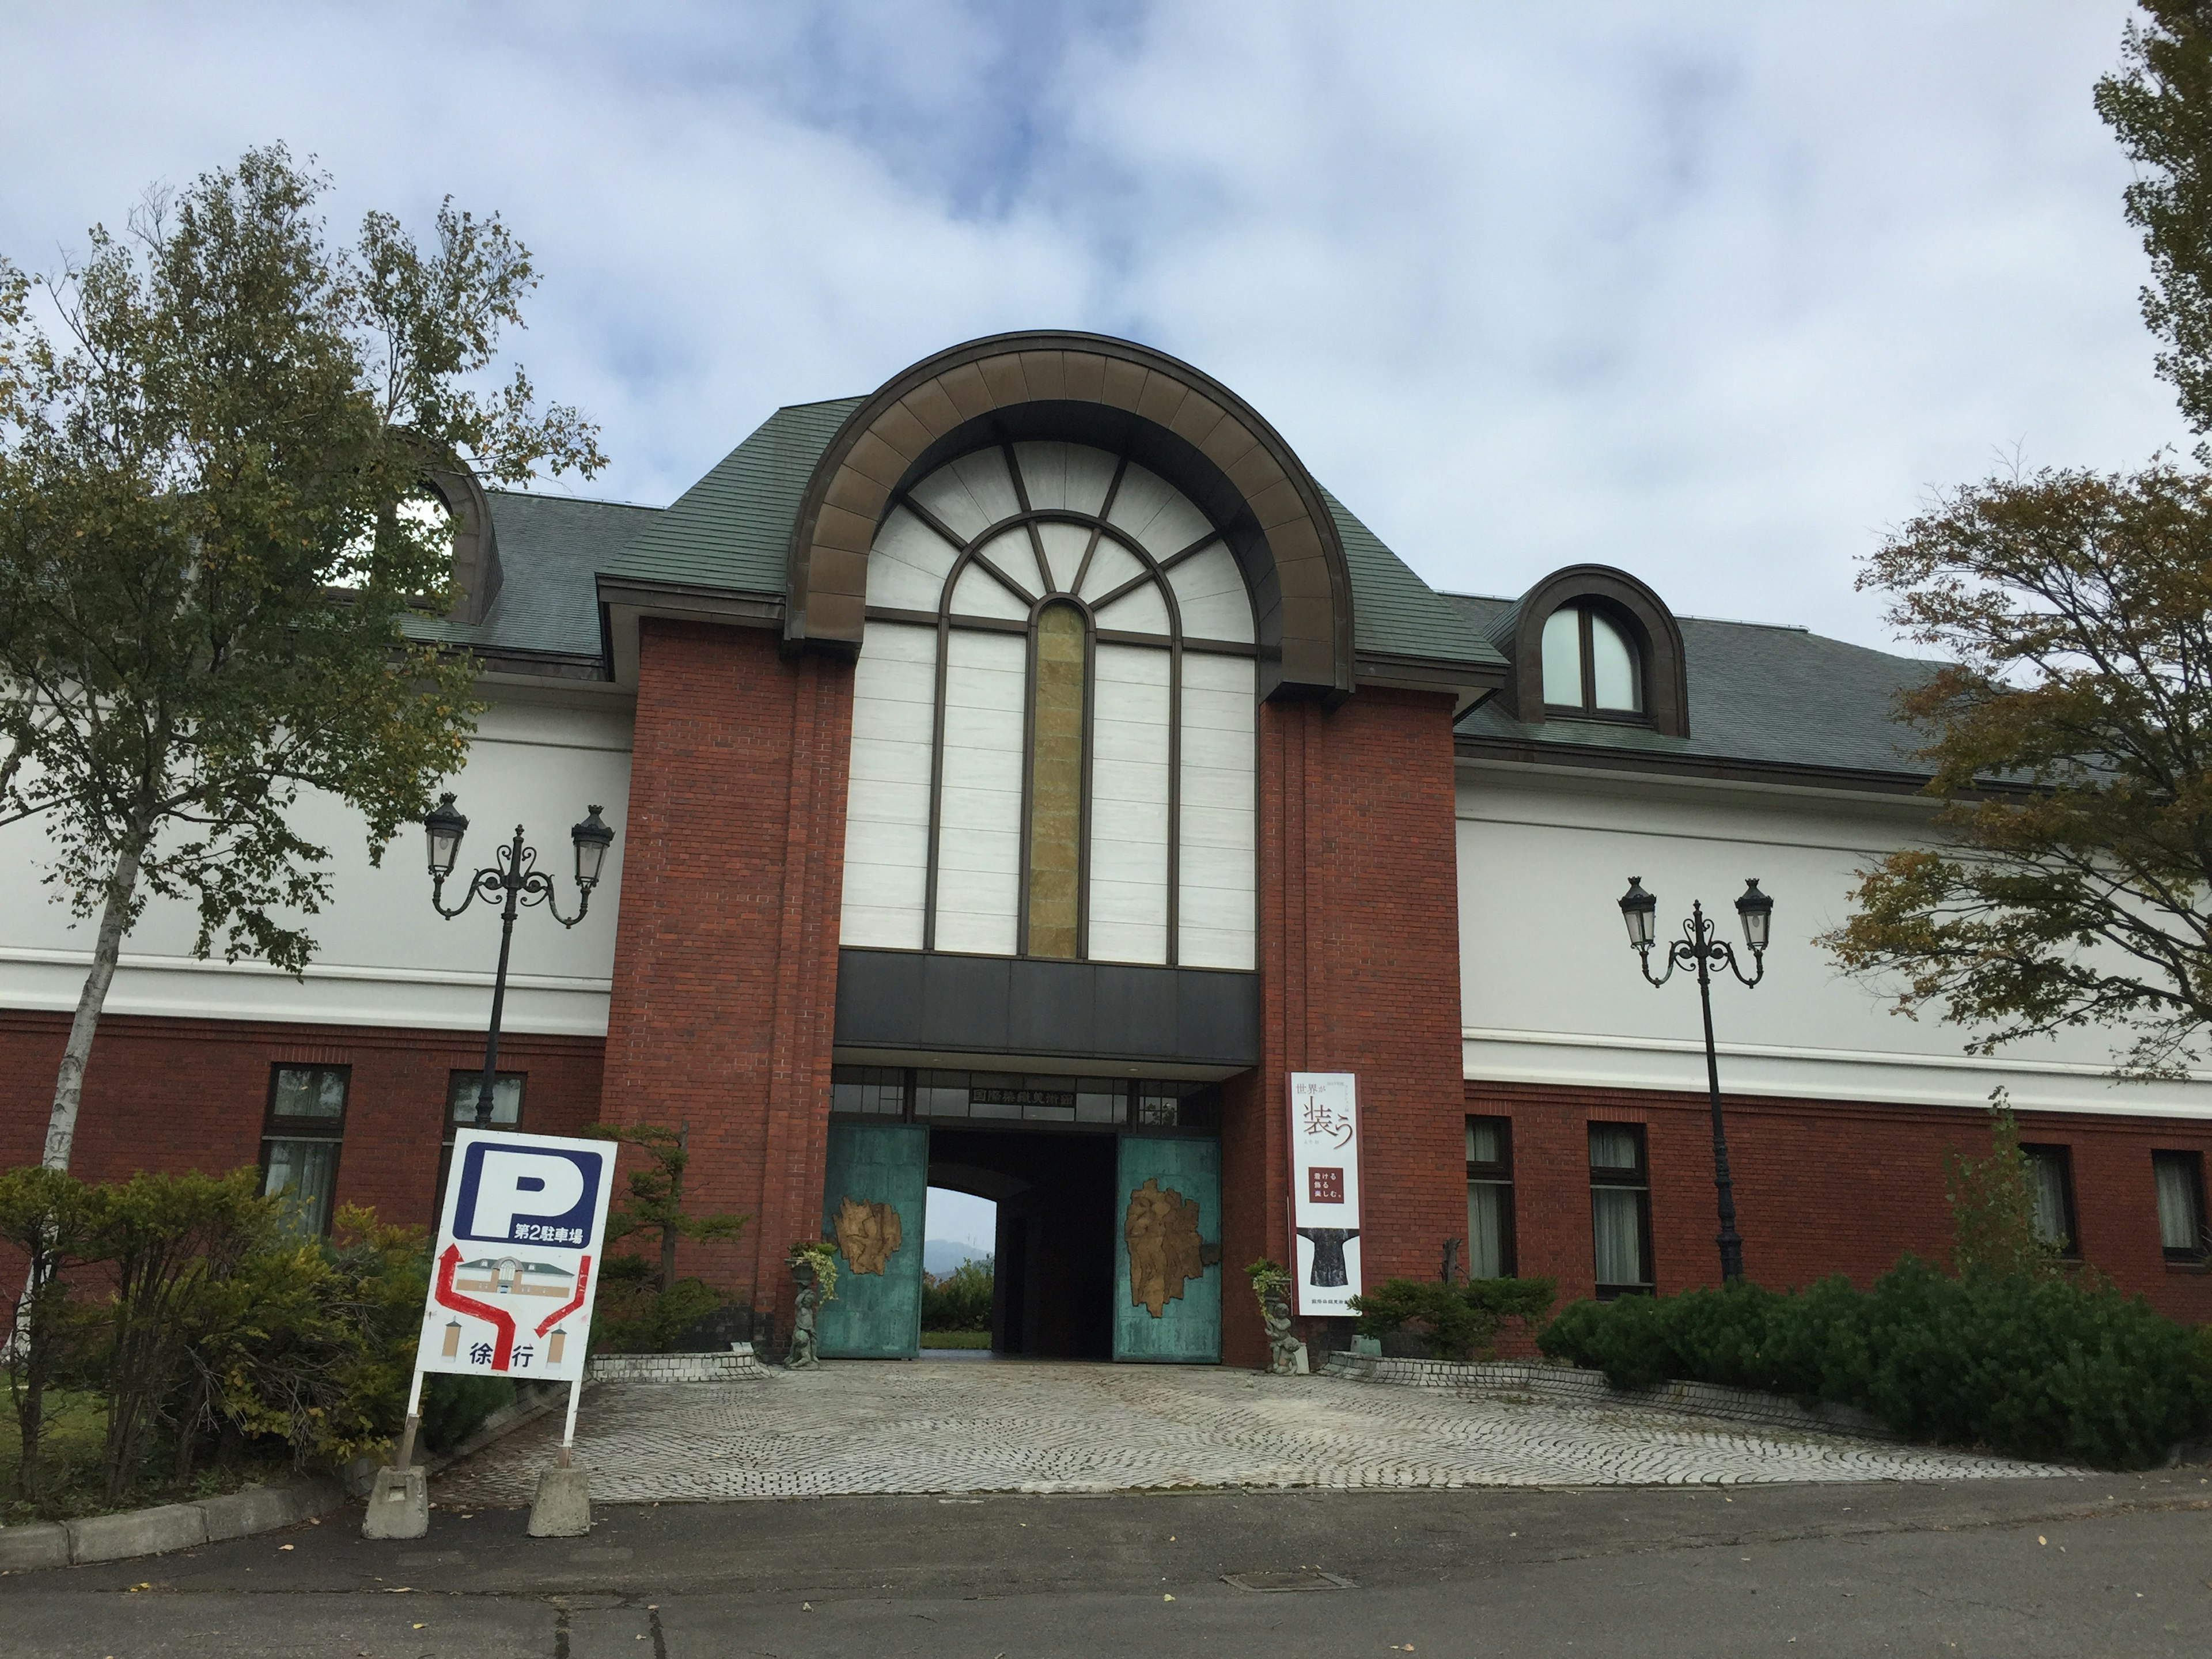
{"x": 511, "y": 1271}
{"x": 1325, "y": 1190}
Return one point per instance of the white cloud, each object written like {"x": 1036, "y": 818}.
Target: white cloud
{"x": 1713, "y": 292}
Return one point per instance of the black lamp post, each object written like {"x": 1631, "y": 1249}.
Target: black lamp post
{"x": 511, "y": 872}
{"x": 1700, "y": 947}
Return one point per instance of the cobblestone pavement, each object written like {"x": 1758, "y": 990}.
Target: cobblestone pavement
{"x": 946, "y": 1426}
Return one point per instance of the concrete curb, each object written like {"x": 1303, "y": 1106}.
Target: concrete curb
{"x": 737, "y": 1365}
{"x": 1572, "y": 1385}
{"x": 168, "y": 1526}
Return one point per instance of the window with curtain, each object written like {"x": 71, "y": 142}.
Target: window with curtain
{"x": 2050, "y": 1183}
{"x": 300, "y": 1135}
{"x": 2179, "y": 1177}
{"x": 1054, "y": 720}
{"x": 1590, "y": 665}
{"x": 1490, "y": 1198}
{"x": 462, "y": 1088}
{"x": 1620, "y": 1209}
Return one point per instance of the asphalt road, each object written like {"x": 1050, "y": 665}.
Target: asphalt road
{"x": 2119, "y": 1564}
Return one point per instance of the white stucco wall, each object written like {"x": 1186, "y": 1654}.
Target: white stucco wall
{"x": 385, "y": 958}
{"x": 1550, "y": 991}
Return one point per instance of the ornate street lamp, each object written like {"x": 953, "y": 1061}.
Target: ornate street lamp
{"x": 1700, "y": 947}
{"x": 513, "y": 873}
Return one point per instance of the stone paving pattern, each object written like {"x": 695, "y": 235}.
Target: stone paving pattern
{"x": 1040, "y": 1427}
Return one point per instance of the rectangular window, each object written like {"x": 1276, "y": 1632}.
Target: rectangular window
{"x": 1489, "y": 1198}
{"x": 462, "y": 1088}
{"x": 300, "y": 1139}
{"x": 868, "y": 1090}
{"x": 2051, "y": 1180}
{"x": 2180, "y": 1179}
{"x": 1620, "y": 1209}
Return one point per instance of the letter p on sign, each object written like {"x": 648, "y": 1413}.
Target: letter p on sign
{"x": 516, "y": 1193}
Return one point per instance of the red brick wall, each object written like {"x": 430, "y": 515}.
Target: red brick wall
{"x": 1822, "y": 1188}
{"x": 180, "y": 1094}
{"x": 726, "y": 958}
{"x": 1359, "y": 960}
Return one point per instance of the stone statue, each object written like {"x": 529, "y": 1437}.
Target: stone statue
{"x": 802, "y": 1357}
{"x": 1271, "y": 1285}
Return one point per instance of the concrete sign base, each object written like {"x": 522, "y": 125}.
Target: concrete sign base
{"x": 563, "y": 1508}
{"x": 400, "y": 1505}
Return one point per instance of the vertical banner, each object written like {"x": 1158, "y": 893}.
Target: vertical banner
{"x": 512, "y": 1274}
{"x": 1325, "y": 1190}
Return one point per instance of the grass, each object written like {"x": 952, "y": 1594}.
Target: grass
{"x": 955, "y": 1339}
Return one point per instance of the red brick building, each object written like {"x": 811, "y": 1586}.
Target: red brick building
{"x": 1023, "y": 774}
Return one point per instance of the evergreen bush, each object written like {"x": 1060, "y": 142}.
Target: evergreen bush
{"x": 1460, "y": 1321}
{"x": 959, "y": 1300}
{"x": 2031, "y": 1366}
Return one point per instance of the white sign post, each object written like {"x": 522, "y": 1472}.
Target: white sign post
{"x": 1325, "y": 1190}
{"x": 513, "y": 1271}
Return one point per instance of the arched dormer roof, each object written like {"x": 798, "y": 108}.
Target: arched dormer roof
{"x": 1181, "y": 423}
{"x": 476, "y": 548}
{"x": 1630, "y": 605}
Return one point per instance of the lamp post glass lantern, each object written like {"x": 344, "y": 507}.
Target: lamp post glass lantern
{"x": 513, "y": 874}
{"x": 1700, "y": 947}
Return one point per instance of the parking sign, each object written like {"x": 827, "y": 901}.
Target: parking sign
{"x": 512, "y": 1272}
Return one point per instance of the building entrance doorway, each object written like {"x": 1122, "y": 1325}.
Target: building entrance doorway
{"x": 1108, "y": 1210}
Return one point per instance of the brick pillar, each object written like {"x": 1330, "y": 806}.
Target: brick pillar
{"x": 726, "y": 963}
{"x": 1359, "y": 965}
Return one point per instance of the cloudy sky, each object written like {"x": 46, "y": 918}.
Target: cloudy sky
{"x": 1715, "y": 292}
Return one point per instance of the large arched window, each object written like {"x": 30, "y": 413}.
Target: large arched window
{"x": 1053, "y": 734}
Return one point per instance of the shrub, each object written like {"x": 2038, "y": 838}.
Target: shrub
{"x": 1461, "y": 1320}
{"x": 632, "y": 1316}
{"x": 454, "y": 1407}
{"x": 2027, "y": 1365}
{"x": 959, "y": 1300}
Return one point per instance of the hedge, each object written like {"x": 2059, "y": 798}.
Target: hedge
{"x": 2059, "y": 1370}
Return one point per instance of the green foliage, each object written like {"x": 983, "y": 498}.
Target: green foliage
{"x": 959, "y": 1300}
{"x": 1460, "y": 1321}
{"x": 655, "y": 1201}
{"x": 2160, "y": 106}
{"x": 1269, "y": 1278}
{"x": 2033, "y": 1367}
{"x": 454, "y": 1407}
{"x": 1992, "y": 1202}
{"x": 634, "y": 1315}
{"x": 205, "y": 567}
{"x": 199, "y": 1317}
{"x": 821, "y": 1255}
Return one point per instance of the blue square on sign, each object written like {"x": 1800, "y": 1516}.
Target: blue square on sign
{"x": 527, "y": 1194}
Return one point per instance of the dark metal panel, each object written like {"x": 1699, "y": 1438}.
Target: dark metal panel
{"x": 1118, "y": 1014}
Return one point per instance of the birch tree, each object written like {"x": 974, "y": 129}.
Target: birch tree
{"x": 211, "y": 431}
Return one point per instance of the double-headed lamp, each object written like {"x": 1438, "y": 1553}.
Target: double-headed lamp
{"x": 1757, "y": 911}
{"x": 1638, "y": 909}
{"x": 593, "y": 838}
{"x": 445, "y": 827}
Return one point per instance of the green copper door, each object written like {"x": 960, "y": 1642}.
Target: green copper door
{"x": 872, "y": 1201}
{"x": 1167, "y": 1255}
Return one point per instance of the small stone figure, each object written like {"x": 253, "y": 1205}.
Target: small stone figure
{"x": 808, "y": 1264}
{"x": 1270, "y": 1284}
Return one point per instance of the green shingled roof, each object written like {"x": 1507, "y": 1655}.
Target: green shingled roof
{"x": 1778, "y": 696}
{"x": 549, "y": 546}
{"x": 731, "y": 530}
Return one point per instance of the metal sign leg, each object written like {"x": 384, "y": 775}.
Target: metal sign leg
{"x": 415, "y": 1421}
{"x": 568, "y": 1429}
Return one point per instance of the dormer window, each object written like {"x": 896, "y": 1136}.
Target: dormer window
{"x": 1590, "y": 665}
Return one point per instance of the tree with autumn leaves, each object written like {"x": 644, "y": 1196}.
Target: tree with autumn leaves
{"x": 2069, "y": 728}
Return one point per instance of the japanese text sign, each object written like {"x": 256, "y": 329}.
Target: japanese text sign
{"x": 1325, "y": 1190}
{"x": 513, "y": 1271}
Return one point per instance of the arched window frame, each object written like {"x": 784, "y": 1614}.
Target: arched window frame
{"x": 1587, "y": 614}
{"x": 1154, "y": 572}
{"x": 1643, "y": 618}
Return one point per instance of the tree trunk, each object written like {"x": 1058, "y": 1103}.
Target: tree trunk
{"x": 107, "y": 945}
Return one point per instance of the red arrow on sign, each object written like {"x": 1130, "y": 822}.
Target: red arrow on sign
{"x": 499, "y": 1319}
